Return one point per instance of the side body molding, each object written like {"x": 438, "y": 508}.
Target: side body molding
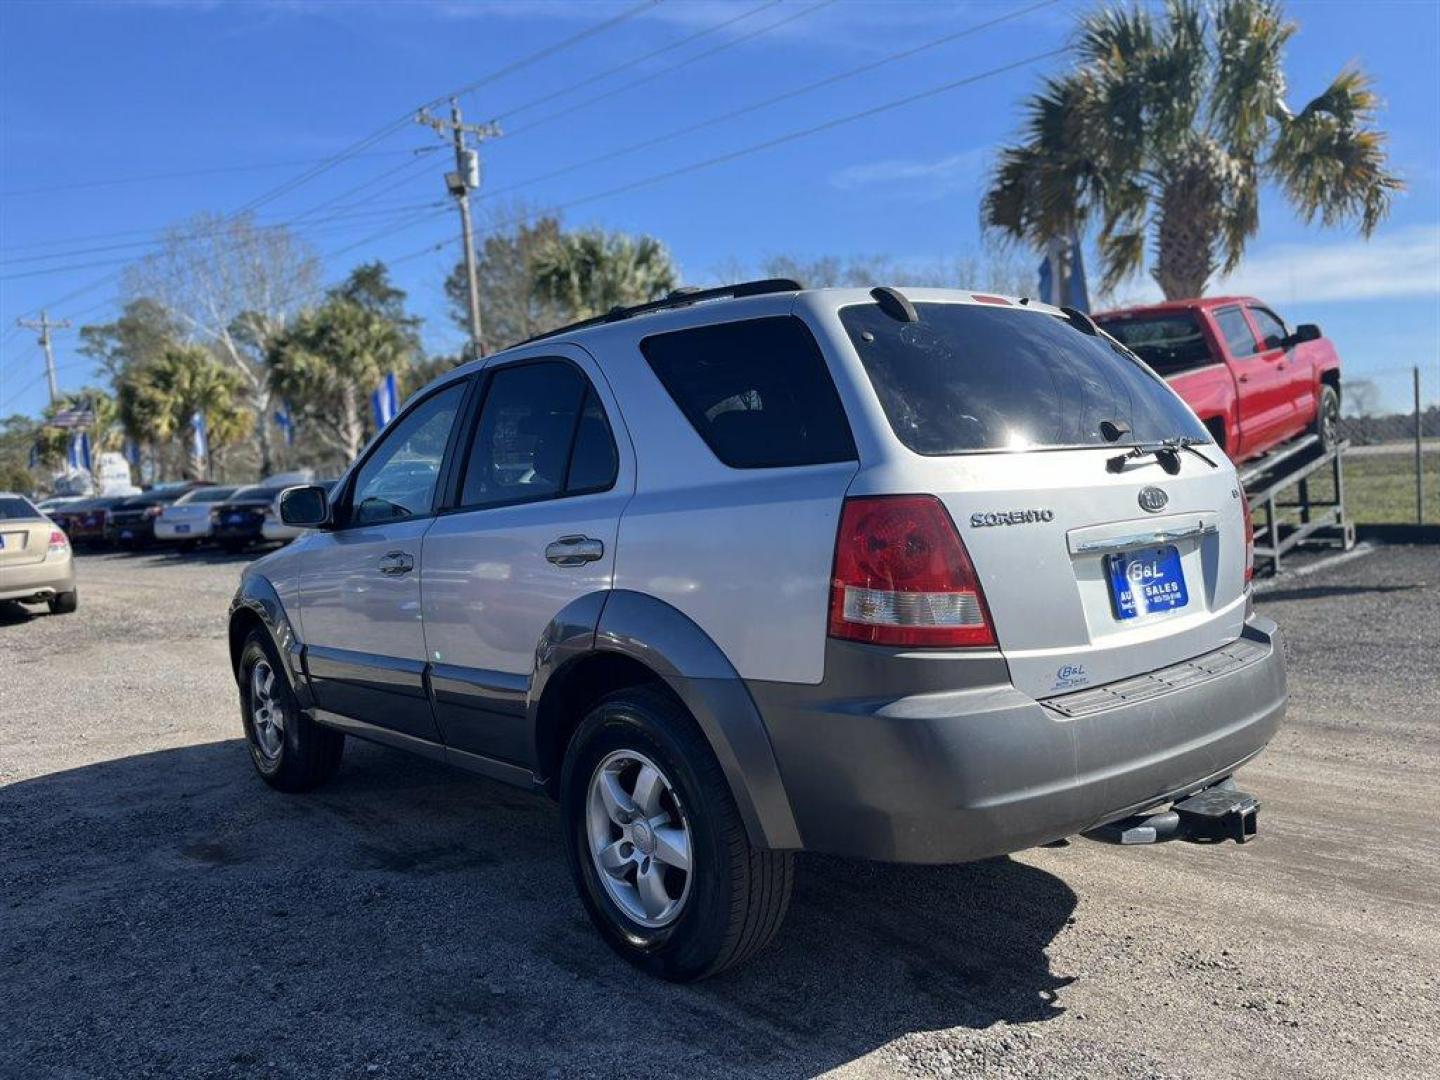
{"x": 257, "y": 595}
{"x": 675, "y": 648}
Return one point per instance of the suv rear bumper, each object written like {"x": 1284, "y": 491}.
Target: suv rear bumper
{"x": 953, "y": 775}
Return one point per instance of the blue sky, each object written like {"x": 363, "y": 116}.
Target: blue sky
{"x": 93, "y": 93}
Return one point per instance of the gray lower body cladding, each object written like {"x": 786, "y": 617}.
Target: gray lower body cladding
{"x": 939, "y": 776}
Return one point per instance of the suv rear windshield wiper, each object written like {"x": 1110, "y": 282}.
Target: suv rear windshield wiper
{"x": 1166, "y": 452}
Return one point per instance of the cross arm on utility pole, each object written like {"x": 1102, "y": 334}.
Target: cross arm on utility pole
{"x": 460, "y": 183}
{"x": 45, "y": 324}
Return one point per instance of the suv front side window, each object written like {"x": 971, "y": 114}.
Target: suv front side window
{"x": 397, "y": 481}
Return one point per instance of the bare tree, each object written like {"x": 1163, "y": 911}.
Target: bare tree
{"x": 231, "y": 285}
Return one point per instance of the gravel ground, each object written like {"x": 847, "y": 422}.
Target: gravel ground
{"x": 162, "y": 913}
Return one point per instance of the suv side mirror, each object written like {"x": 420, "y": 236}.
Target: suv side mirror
{"x": 307, "y": 507}
{"x": 1304, "y": 332}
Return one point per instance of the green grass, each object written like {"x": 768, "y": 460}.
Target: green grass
{"x": 1379, "y": 489}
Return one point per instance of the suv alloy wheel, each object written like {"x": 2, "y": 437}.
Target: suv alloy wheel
{"x": 656, "y": 845}
{"x": 289, "y": 750}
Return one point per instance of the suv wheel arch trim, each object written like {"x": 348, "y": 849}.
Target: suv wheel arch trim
{"x": 680, "y": 653}
{"x": 257, "y": 597}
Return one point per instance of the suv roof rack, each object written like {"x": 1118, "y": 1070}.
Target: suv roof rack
{"x": 677, "y": 298}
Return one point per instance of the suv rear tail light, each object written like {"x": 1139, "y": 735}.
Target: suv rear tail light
{"x": 1249, "y": 535}
{"x": 903, "y": 577}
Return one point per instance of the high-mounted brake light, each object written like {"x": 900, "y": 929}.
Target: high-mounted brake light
{"x": 903, "y": 577}
{"x": 1249, "y": 535}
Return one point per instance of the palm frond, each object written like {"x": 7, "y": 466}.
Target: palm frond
{"x": 1329, "y": 160}
{"x": 1249, "y": 81}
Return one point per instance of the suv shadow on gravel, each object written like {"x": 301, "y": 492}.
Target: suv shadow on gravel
{"x": 411, "y": 917}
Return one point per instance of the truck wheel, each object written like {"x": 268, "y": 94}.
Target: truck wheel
{"x": 64, "y": 603}
{"x": 290, "y": 751}
{"x": 656, "y": 845}
{"x": 1327, "y": 418}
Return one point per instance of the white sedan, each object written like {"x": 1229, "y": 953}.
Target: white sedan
{"x": 188, "y": 518}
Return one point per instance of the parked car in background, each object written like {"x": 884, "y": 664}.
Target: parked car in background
{"x": 923, "y": 577}
{"x": 132, "y": 521}
{"x": 86, "y": 522}
{"x": 35, "y": 558}
{"x": 1253, "y": 382}
{"x": 274, "y": 529}
{"x": 239, "y": 521}
{"x": 190, "y": 518}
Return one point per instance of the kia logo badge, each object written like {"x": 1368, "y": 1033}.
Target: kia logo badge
{"x": 1153, "y": 499}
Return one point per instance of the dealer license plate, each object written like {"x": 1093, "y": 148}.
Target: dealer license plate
{"x": 1147, "y": 581}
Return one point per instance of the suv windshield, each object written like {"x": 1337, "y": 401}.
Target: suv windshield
{"x": 967, "y": 377}
{"x": 1169, "y": 343}
{"x": 14, "y": 508}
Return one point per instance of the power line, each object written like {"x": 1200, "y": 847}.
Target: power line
{"x": 201, "y": 233}
{"x": 732, "y": 114}
{"x": 403, "y": 121}
{"x": 321, "y": 225}
{"x": 635, "y": 61}
{"x": 179, "y": 174}
{"x": 659, "y": 73}
{"x": 398, "y": 124}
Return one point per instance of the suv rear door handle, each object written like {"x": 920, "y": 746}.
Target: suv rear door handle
{"x": 395, "y": 563}
{"x": 574, "y": 551}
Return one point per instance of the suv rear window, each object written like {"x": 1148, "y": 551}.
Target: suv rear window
{"x": 757, "y": 391}
{"x": 1170, "y": 344}
{"x": 969, "y": 377}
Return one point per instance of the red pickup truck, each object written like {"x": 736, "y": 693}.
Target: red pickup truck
{"x": 1253, "y": 381}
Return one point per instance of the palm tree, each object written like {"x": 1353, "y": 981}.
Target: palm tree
{"x": 591, "y": 271}
{"x": 161, "y": 398}
{"x": 1166, "y": 128}
{"x": 327, "y": 363}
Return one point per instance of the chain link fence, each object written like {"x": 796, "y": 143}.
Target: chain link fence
{"x": 1392, "y": 473}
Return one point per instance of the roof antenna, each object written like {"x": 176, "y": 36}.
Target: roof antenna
{"x": 895, "y": 304}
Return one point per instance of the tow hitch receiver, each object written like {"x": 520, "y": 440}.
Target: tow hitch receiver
{"x": 1209, "y": 817}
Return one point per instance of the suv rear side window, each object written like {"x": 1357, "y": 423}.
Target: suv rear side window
{"x": 542, "y": 433}
{"x": 757, "y": 391}
{"x": 1239, "y": 338}
{"x": 970, "y": 377}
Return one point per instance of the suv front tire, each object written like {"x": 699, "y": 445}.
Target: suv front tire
{"x": 290, "y": 751}
{"x": 656, "y": 844}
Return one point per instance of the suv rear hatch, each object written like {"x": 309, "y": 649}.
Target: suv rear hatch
{"x": 1095, "y": 564}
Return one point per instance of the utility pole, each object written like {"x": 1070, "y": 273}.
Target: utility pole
{"x": 44, "y": 325}
{"x": 460, "y": 183}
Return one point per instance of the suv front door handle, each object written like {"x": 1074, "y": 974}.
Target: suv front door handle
{"x": 574, "y": 551}
{"x": 395, "y": 563}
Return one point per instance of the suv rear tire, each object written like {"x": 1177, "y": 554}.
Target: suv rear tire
{"x": 290, "y": 751}
{"x": 733, "y": 897}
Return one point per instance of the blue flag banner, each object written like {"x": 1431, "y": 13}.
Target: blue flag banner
{"x": 132, "y": 452}
{"x": 79, "y": 457}
{"x": 1072, "y": 292}
{"x": 1078, "y": 294}
{"x": 202, "y": 441}
{"x": 285, "y": 421}
{"x": 385, "y": 401}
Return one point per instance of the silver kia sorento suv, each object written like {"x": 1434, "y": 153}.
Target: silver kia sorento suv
{"x": 920, "y": 576}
